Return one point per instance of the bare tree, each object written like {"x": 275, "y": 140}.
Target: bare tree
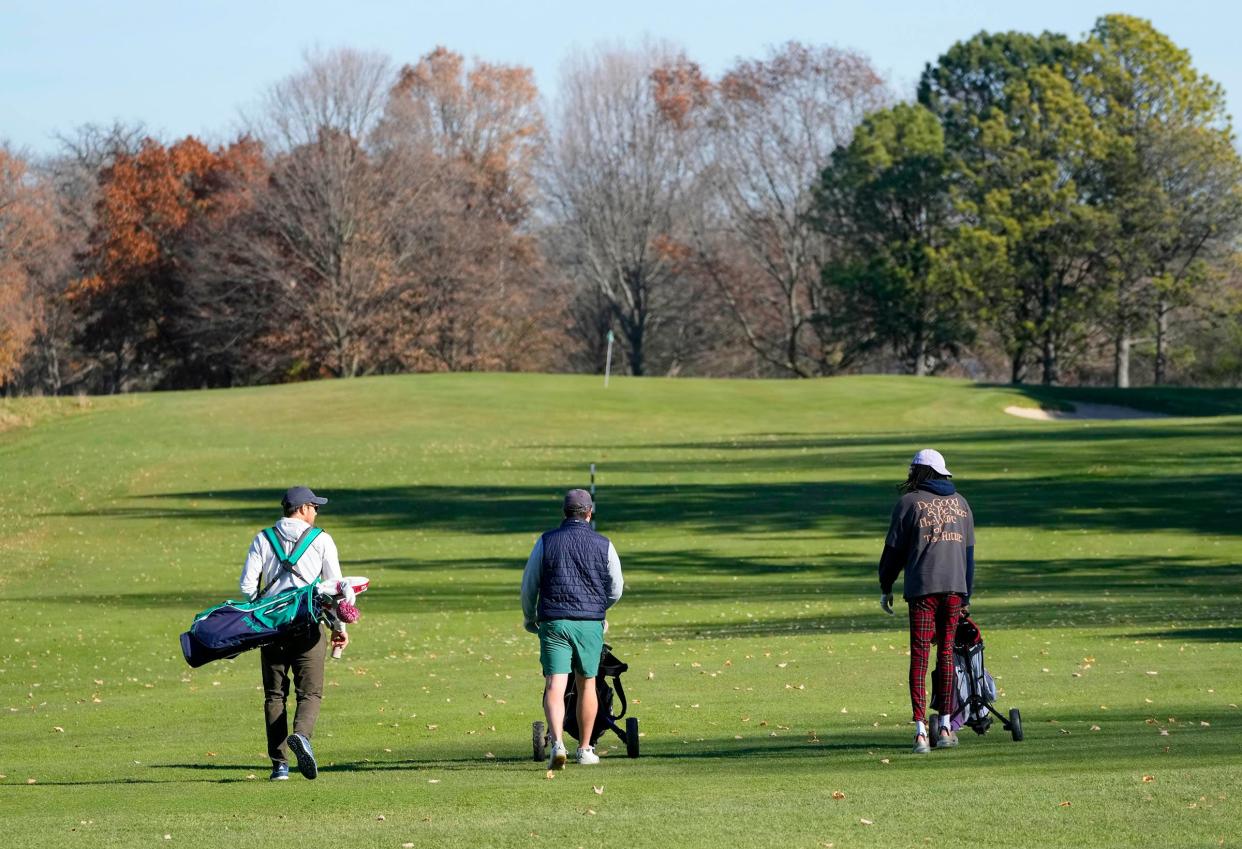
{"x": 761, "y": 142}
{"x": 615, "y": 181}
{"x": 327, "y": 239}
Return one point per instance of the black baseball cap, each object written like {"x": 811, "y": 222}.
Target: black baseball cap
{"x": 296, "y": 496}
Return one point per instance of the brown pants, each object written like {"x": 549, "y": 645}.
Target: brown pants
{"x": 305, "y": 657}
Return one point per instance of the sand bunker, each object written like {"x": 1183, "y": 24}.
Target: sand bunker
{"x": 1109, "y": 412}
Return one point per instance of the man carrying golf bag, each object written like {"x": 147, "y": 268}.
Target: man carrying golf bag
{"x": 293, "y": 553}
{"x": 572, "y": 577}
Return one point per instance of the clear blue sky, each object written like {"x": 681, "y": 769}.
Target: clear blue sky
{"x": 186, "y": 66}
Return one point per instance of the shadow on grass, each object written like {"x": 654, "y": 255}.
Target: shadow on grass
{"x": 1178, "y": 599}
{"x": 1208, "y": 634}
{"x": 1173, "y": 401}
{"x": 1201, "y": 503}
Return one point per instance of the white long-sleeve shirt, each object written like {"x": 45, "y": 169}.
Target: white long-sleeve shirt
{"x": 262, "y": 568}
{"x": 534, "y": 571}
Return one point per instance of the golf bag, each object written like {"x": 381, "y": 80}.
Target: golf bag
{"x": 229, "y": 629}
{"x": 975, "y": 689}
{"x": 605, "y": 719}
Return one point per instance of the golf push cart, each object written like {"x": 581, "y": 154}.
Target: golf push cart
{"x": 605, "y": 719}
{"x": 975, "y": 688}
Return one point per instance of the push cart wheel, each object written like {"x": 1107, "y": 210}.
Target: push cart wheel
{"x": 538, "y": 740}
{"x": 631, "y": 737}
{"x": 1015, "y": 724}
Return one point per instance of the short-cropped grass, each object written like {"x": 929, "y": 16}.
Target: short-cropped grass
{"x": 749, "y": 517}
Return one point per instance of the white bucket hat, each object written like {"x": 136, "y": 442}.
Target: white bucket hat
{"x": 932, "y": 457}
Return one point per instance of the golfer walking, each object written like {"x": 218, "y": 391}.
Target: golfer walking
{"x": 932, "y": 538}
{"x": 279, "y": 560}
{"x": 572, "y": 577}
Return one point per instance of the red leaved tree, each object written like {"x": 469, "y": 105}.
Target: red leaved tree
{"x": 130, "y": 300}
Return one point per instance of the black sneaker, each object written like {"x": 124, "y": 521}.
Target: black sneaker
{"x": 301, "y": 748}
{"x": 280, "y": 772}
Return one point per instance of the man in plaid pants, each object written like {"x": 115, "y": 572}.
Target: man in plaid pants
{"x": 931, "y": 537}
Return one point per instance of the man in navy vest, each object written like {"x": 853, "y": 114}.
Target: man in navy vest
{"x": 573, "y": 575}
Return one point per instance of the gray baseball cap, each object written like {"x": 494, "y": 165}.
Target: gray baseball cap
{"x": 296, "y": 496}
{"x": 578, "y": 500}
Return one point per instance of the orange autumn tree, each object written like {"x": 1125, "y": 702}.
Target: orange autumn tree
{"x": 27, "y": 232}
{"x": 149, "y": 201}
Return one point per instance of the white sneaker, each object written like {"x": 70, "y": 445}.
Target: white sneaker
{"x": 559, "y": 755}
{"x": 586, "y": 755}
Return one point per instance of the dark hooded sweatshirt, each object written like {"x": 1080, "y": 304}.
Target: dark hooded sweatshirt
{"x": 932, "y": 538}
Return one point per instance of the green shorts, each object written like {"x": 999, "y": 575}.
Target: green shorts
{"x": 571, "y": 645}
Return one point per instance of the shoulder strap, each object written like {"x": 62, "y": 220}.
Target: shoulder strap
{"x": 273, "y": 540}
{"x": 304, "y": 542}
{"x": 288, "y": 560}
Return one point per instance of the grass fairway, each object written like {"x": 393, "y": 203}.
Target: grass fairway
{"x": 749, "y": 517}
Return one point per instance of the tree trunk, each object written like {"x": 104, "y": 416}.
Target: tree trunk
{"x": 1162, "y": 341}
{"x": 1121, "y": 359}
{"x": 1017, "y": 366}
{"x": 1050, "y": 360}
{"x": 635, "y": 338}
{"x": 920, "y": 356}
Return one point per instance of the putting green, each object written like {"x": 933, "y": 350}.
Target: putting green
{"x": 749, "y": 516}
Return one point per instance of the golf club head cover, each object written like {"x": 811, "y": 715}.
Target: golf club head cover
{"x": 347, "y": 612}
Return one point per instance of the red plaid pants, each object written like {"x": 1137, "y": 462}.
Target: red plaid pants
{"x": 933, "y": 618}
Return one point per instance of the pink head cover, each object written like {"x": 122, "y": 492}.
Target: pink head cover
{"x": 347, "y": 612}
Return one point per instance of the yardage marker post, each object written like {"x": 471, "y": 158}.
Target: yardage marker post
{"x": 593, "y": 496}
{"x": 607, "y": 368}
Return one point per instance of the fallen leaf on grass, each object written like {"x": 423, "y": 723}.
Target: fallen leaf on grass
{"x": 58, "y": 729}
{"x": 599, "y": 791}
{"x": 379, "y": 818}
{"x": 837, "y": 794}
{"x": 1064, "y": 805}
{"x": 407, "y": 846}
{"x": 1164, "y": 732}
{"x": 866, "y": 822}
{"x": 589, "y": 812}
{"x": 251, "y": 777}
{"x": 1203, "y": 724}
{"x": 1148, "y": 779}
{"x": 31, "y": 781}
{"x": 884, "y": 760}
{"x": 551, "y": 774}
{"x": 1095, "y": 728}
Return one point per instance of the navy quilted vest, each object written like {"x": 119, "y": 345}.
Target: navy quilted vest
{"x": 574, "y": 580}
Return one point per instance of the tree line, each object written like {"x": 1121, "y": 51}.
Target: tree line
{"x": 1043, "y": 209}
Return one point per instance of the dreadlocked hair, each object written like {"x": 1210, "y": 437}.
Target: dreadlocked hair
{"x": 918, "y": 476}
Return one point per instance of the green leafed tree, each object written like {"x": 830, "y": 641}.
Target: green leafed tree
{"x": 903, "y": 263}
{"x": 1026, "y": 151}
{"x": 1171, "y": 176}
